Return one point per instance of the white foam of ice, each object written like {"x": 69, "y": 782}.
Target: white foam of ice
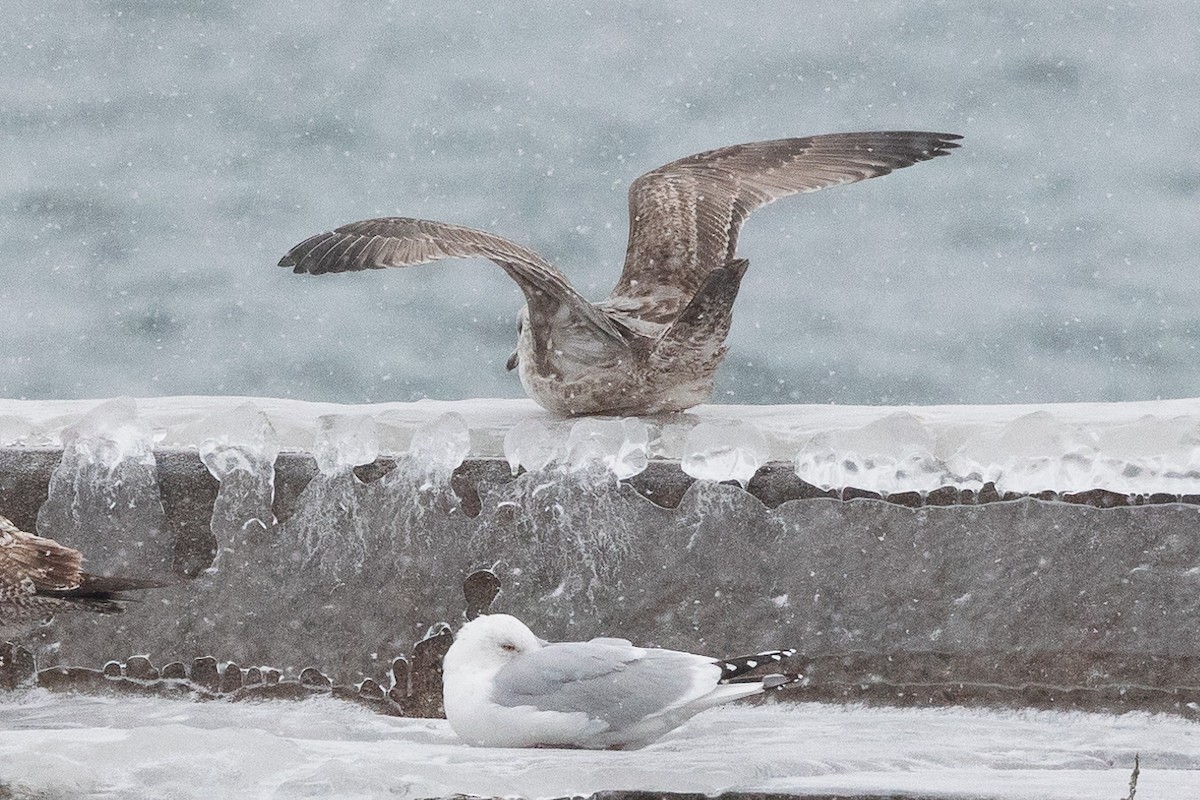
{"x": 1142, "y": 447}
{"x": 157, "y": 747}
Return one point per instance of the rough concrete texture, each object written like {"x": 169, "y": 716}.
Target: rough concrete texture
{"x": 1023, "y": 600}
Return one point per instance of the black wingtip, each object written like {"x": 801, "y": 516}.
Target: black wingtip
{"x": 946, "y": 142}
{"x": 736, "y": 667}
{"x": 777, "y": 681}
{"x": 113, "y": 583}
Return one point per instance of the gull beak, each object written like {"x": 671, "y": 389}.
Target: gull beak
{"x": 512, "y": 362}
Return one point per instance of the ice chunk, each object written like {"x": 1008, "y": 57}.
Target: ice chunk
{"x": 722, "y": 451}
{"x": 104, "y": 496}
{"x": 240, "y": 452}
{"x": 619, "y": 444}
{"x": 110, "y": 434}
{"x": 1024, "y": 455}
{"x": 890, "y": 454}
{"x": 535, "y": 443}
{"x": 344, "y": 441}
{"x": 1151, "y": 453}
{"x": 241, "y": 440}
{"x": 442, "y": 444}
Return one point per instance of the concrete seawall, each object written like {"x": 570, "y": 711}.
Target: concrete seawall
{"x": 1091, "y": 599}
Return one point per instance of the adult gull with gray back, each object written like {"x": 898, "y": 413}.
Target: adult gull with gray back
{"x": 504, "y": 687}
{"x": 656, "y": 341}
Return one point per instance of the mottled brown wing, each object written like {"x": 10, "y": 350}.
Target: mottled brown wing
{"x": 405, "y": 242}
{"x": 684, "y": 217}
{"x": 44, "y": 564}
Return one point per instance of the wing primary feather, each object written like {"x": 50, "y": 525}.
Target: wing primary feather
{"x": 406, "y": 242}
{"x": 686, "y": 216}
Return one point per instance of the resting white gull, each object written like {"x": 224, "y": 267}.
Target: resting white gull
{"x": 655, "y": 343}
{"x": 504, "y": 687}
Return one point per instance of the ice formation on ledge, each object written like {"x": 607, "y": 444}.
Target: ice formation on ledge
{"x": 239, "y": 446}
{"x": 724, "y": 451}
{"x": 108, "y": 473}
{"x": 620, "y": 445}
{"x": 1132, "y": 448}
{"x": 534, "y": 444}
{"x": 345, "y": 441}
{"x": 109, "y": 434}
{"x": 237, "y": 440}
{"x": 156, "y": 747}
{"x": 441, "y": 444}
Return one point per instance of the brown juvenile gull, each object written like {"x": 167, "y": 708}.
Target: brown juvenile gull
{"x": 40, "y": 578}
{"x": 654, "y": 344}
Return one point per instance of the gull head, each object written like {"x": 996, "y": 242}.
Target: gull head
{"x": 491, "y": 641}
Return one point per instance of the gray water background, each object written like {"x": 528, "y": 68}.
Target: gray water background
{"x": 157, "y": 158}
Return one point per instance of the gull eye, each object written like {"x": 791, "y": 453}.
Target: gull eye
{"x": 509, "y": 647}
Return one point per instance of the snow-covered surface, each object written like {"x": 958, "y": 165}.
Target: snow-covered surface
{"x": 1137, "y": 447}
{"x": 84, "y": 746}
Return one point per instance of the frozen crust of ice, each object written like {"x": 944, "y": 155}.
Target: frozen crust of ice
{"x": 1133, "y": 448}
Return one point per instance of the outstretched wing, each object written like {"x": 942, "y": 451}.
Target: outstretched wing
{"x": 36, "y": 562}
{"x": 405, "y": 242}
{"x": 684, "y": 217}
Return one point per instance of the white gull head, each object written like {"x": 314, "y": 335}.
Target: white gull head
{"x": 504, "y": 687}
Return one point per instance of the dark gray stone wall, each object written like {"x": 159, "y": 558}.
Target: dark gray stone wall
{"x": 1020, "y": 599}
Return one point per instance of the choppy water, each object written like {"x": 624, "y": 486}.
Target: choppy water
{"x": 158, "y": 158}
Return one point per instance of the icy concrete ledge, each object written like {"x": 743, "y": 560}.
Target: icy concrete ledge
{"x": 293, "y": 562}
{"x": 1141, "y": 449}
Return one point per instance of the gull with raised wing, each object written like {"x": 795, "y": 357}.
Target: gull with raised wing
{"x": 504, "y": 687}
{"x": 655, "y": 342}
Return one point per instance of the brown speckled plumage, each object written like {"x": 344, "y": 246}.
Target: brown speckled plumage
{"x": 654, "y": 344}
{"x": 40, "y": 578}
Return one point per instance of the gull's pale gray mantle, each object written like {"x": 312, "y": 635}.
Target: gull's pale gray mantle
{"x": 40, "y": 578}
{"x": 654, "y": 344}
{"x": 504, "y": 687}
